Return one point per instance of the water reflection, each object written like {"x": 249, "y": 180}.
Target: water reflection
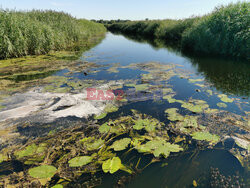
{"x": 227, "y": 75}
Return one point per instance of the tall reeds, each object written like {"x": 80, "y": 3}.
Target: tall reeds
{"x": 38, "y": 32}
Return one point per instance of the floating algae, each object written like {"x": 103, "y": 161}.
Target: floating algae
{"x": 173, "y": 115}
{"x": 86, "y": 149}
{"x": 196, "y": 106}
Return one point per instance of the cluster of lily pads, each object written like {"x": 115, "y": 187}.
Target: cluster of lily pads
{"x": 61, "y": 158}
{"x": 86, "y": 150}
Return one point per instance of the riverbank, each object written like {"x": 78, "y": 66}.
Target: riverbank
{"x": 171, "y": 117}
{"x": 40, "y": 32}
{"x": 224, "y": 32}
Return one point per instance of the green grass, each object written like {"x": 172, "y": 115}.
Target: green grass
{"x": 223, "y": 32}
{"x": 39, "y": 32}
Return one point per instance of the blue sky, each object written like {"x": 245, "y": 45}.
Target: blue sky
{"x": 121, "y": 9}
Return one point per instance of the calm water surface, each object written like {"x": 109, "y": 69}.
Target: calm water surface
{"x": 226, "y": 76}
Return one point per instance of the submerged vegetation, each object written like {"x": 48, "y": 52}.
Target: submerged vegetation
{"x": 224, "y": 32}
{"x": 54, "y": 136}
{"x": 87, "y": 152}
{"x": 39, "y": 32}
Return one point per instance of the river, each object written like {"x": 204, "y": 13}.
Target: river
{"x": 223, "y": 83}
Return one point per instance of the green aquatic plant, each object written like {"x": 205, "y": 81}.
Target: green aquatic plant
{"x": 42, "y": 172}
{"x": 190, "y": 121}
{"x": 210, "y": 111}
{"x": 31, "y": 150}
{"x": 112, "y": 165}
{"x": 91, "y": 143}
{"x": 3, "y": 158}
{"x": 139, "y": 125}
{"x": 104, "y": 128}
{"x": 139, "y": 87}
{"x": 80, "y": 161}
{"x": 195, "y": 80}
{"x": 225, "y": 98}
{"x": 169, "y": 98}
{"x": 210, "y": 92}
{"x": 167, "y": 90}
{"x": 142, "y": 87}
{"x": 206, "y": 136}
{"x": 196, "y": 106}
{"x": 222, "y": 105}
{"x": 111, "y": 108}
{"x": 147, "y": 124}
{"x": 173, "y": 115}
{"x": 158, "y": 148}
{"x": 100, "y": 116}
{"x": 147, "y": 76}
{"x": 120, "y": 145}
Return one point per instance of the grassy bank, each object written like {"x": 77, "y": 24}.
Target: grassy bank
{"x": 223, "y": 32}
{"x": 39, "y": 32}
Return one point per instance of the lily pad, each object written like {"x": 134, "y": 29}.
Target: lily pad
{"x": 148, "y": 124}
{"x": 112, "y": 165}
{"x": 158, "y": 147}
{"x": 141, "y": 87}
{"x": 101, "y": 116}
{"x": 206, "y": 136}
{"x": 147, "y": 76}
{"x": 92, "y": 143}
{"x": 111, "y": 108}
{"x": 211, "y": 111}
{"x": 225, "y": 98}
{"x": 198, "y": 106}
{"x": 121, "y": 144}
{"x": 3, "y": 158}
{"x": 169, "y": 98}
{"x": 104, "y": 128}
{"x": 42, "y": 172}
{"x": 167, "y": 90}
{"x": 139, "y": 124}
{"x": 222, "y": 105}
{"x": 28, "y": 151}
{"x": 95, "y": 145}
{"x": 173, "y": 115}
{"x": 150, "y": 127}
{"x": 31, "y": 150}
{"x": 80, "y": 161}
{"x": 190, "y": 121}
